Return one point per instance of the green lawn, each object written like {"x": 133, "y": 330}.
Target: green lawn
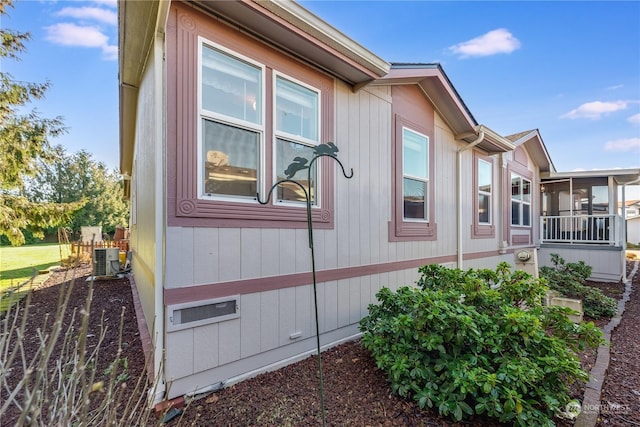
{"x": 17, "y": 264}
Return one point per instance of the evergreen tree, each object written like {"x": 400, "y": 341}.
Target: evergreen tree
{"x": 78, "y": 177}
{"x": 24, "y": 141}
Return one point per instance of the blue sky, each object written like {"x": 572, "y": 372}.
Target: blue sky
{"x": 570, "y": 69}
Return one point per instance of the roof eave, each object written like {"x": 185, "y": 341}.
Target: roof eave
{"x": 493, "y": 142}
{"x": 295, "y": 30}
{"x": 536, "y": 148}
{"x": 438, "y": 89}
{"x": 137, "y": 26}
{"x": 620, "y": 176}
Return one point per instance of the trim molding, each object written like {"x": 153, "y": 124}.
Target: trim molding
{"x": 247, "y": 286}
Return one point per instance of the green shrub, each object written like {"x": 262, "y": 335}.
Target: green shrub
{"x": 569, "y": 279}
{"x": 458, "y": 345}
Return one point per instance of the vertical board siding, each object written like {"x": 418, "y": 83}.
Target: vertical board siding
{"x": 250, "y": 252}
{"x": 206, "y": 256}
{"x": 229, "y": 334}
{"x": 230, "y": 262}
{"x": 304, "y": 311}
{"x": 287, "y": 317}
{"x": 250, "y": 316}
{"x": 269, "y": 252}
{"x": 205, "y": 347}
{"x": 269, "y": 320}
{"x": 344, "y": 306}
{"x": 360, "y": 237}
{"x": 179, "y": 354}
{"x": 354, "y": 299}
{"x": 330, "y": 300}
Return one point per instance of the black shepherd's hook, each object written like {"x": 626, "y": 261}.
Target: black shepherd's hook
{"x": 300, "y": 163}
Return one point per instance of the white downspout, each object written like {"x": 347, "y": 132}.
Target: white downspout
{"x": 477, "y": 141}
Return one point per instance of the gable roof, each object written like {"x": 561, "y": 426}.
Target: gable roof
{"x": 446, "y": 100}
{"x": 532, "y": 141}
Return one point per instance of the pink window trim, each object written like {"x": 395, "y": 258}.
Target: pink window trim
{"x": 478, "y": 230}
{"x": 524, "y": 172}
{"x": 184, "y": 208}
{"x": 400, "y": 230}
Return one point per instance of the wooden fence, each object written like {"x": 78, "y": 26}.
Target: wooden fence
{"x": 86, "y": 247}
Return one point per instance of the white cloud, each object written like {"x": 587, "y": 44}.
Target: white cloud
{"x": 635, "y": 119}
{"x": 492, "y": 43}
{"x": 94, "y": 13}
{"x": 615, "y": 87}
{"x": 595, "y": 110}
{"x": 108, "y": 3}
{"x": 627, "y": 144}
{"x": 67, "y": 34}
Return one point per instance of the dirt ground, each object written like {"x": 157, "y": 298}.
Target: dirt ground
{"x": 356, "y": 392}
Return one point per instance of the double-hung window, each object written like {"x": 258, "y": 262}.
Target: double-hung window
{"x": 297, "y": 131}
{"x": 232, "y": 125}
{"x": 233, "y": 130}
{"x": 237, "y": 118}
{"x": 520, "y": 201}
{"x": 484, "y": 191}
{"x": 415, "y": 175}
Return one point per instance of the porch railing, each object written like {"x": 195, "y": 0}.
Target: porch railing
{"x": 593, "y": 229}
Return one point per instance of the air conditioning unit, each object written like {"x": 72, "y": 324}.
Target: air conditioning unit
{"x": 106, "y": 261}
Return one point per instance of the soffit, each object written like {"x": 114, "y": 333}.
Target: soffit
{"x": 136, "y": 27}
{"x": 298, "y": 32}
{"x": 137, "y": 21}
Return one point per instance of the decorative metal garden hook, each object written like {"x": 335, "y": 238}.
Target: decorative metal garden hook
{"x": 328, "y": 149}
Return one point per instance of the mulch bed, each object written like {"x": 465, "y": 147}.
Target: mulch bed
{"x": 356, "y": 391}
{"x": 620, "y": 399}
{"x": 109, "y": 298}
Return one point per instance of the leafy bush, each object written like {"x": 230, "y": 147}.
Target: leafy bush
{"x": 569, "y": 279}
{"x": 463, "y": 347}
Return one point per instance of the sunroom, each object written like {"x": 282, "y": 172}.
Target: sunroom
{"x": 580, "y": 221}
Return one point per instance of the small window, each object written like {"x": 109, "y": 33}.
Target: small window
{"x": 484, "y": 191}
{"x": 415, "y": 175}
{"x": 520, "y": 201}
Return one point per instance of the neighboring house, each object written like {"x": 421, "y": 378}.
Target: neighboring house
{"x": 633, "y": 230}
{"x": 631, "y": 209}
{"x": 217, "y": 98}
{"x": 632, "y": 216}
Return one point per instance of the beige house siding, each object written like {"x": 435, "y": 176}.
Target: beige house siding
{"x": 147, "y": 184}
{"x": 261, "y": 337}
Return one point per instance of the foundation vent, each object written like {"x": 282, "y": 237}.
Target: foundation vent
{"x": 189, "y": 315}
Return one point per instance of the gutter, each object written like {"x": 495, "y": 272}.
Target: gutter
{"x": 472, "y": 144}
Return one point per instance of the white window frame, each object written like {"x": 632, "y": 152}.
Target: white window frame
{"x": 297, "y": 138}
{"x": 417, "y": 178}
{"x": 489, "y": 194}
{"x": 521, "y": 200}
{"x": 203, "y": 114}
